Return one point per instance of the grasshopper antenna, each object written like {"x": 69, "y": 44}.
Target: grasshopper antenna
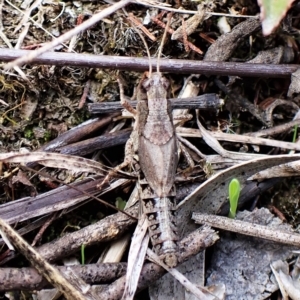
{"x": 146, "y": 46}
{"x": 162, "y": 42}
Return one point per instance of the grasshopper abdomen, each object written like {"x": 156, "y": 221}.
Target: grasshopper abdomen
{"x": 160, "y": 212}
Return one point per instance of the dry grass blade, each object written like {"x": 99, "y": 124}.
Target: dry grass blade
{"x": 238, "y": 138}
{"x": 56, "y": 160}
{"x": 137, "y": 253}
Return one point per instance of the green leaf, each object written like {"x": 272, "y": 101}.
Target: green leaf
{"x": 234, "y": 194}
{"x": 272, "y": 12}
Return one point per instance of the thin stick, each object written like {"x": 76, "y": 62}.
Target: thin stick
{"x": 84, "y": 94}
{"x": 140, "y": 64}
{"x": 247, "y": 228}
{"x": 274, "y": 130}
{"x": 192, "y": 288}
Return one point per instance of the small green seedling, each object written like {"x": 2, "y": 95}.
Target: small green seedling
{"x": 120, "y": 203}
{"x": 82, "y": 254}
{"x": 295, "y": 134}
{"x": 234, "y": 194}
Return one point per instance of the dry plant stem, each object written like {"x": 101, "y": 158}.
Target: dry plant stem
{"x": 136, "y": 257}
{"x": 274, "y": 130}
{"x": 206, "y": 101}
{"x": 1, "y": 15}
{"x": 43, "y": 267}
{"x": 29, "y": 278}
{"x": 166, "y": 65}
{"x": 28, "y": 228}
{"x": 105, "y": 230}
{"x": 80, "y": 191}
{"x": 185, "y": 39}
{"x": 225, "y": 45}
{"x": 58, "y": 199}
{"x": 13, "y": 279}
{"x": 27, "y": 14}
{"x": 238, "y": 138}
{"x": 85, "y": 25}
{"x": 191, "y": 146}
{"x": 101, "y": 142}
{"x": 191, "y": 12}
{"x": 190, "y": 25}
{"x": 22, "y": 36}
{"x": 78, "y": 132}
{"x": 84, "y": 94}
{"x": 192, "y": 244}
{"x": 247, "y": 228}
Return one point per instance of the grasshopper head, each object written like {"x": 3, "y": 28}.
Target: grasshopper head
{"x": 156, "y": 80}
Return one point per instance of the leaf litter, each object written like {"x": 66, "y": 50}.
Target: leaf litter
{"x": 39, "y": 108}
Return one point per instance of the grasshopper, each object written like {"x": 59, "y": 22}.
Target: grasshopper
{"x": 155, "y": 140}
{"x": 158, "y": 157}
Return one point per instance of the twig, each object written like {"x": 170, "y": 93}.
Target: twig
{"x": 78, "y": 133}
{"x": 104, "y": 230}
{"x": 247, "y": 228}
{"x": 166, "y": 65}
{"x": 206, "y": 101}
{"x": 27, "y": 14}
{"x": 84, "y": 94}
{"x": 274, "y": 130}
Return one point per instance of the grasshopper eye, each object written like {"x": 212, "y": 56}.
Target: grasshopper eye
{"x": 165, "y": 83}
{"x": 146, "y": 84}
